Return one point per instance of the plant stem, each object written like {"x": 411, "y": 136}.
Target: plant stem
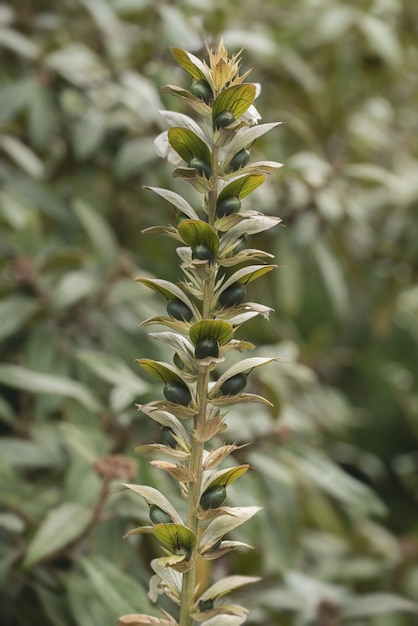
{"x": 196, "y": 455}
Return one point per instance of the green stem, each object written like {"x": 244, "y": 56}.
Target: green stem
{"x": 196, "y": 455}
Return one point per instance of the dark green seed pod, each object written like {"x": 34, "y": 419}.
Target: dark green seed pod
{"x": 158, "y": 516}
{"x": 234, "y": 385}
{"x": 167, "y": 437}
{"x": 228, "y": 206}
{"x": 223, "y": 119}
{"x": 201, "y": 89}
{"x": 213, "y": 497}
{"x": 179, "y": 310}
{"x": 233, "y": 295}
{"x": 207, "y": 346}
{"x": 215, "y": 546}
{"x": 177, "y": 392}
{"x": 241, "y": 159}
{"x": 201, "y": 166}
{"x": 206, "y": 605}
{"x": 241, "y": 243}
{"x": 203, "y": 253}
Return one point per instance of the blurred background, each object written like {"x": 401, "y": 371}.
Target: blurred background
{"x": 336, "y": 458}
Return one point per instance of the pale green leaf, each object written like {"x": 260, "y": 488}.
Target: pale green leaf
{"x": 61, "y": 526}
{"x": 190, "y": 63}
{"x": 112, "y": 369}
{"x": 153, "y": 496}
{"x": 226, "y": 585}
{"x": 178, "y": 201}
{"x": 97, "y": 230}
{"x": 235, "y": 99}
{"x": 20, "y": 377}
{"x": 15, "y": 311}
{"x": 242, "y": 186}
{"x": 376, "y": 604}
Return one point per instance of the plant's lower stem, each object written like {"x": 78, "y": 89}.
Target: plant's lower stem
{"x": 196, "y": 468}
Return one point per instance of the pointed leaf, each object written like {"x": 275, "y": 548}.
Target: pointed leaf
{"x": 376, "y": 604}
{"x": 188, "y": 145}
{"x": 195, "y": 103}
{"x": 242, "y": 186}
{"x": 36, "y": 382}
{"x": 242, "y": 367}
{"x": 178, "y": 201}
{"x": 167, "y": 289}
{"x": 139, "y": 619}
{"x": 153, "y": 496}
{"x": 190, "y": 63}
{"x": 178, "y": 472}
{"x": 217, "y": 455}
{"x": 225, "y": 477}
{"x": 236, "y": 99}
{"x": 246, "y": 137}
{"x": 163, "y": 371}
{"x": 61, "y": 526}
{"x": 226, "y": 585}
{"x": 224, "y": 524}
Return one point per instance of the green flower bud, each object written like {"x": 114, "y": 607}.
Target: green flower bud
{"x": 205, "y": 605}
{"x": 201, "y": 89}
{"x": 241, "y": 159}
{"x": 233, "y": 295}
{"x": 178, "y": 393}
{"x": 201, "y": 166}
{"x": 180, "y": 550}
{"x": 207, "y": 346}
{"x": 223, "y": 119}
{"x": 167, "y": 437}
{"x": 228, "y": 206}
{"x": 203, "y": 253}
{"x": 179, "y": 310}
{"x": 213, "y": 497}
{"x": 234, "y": 385}
{"x": 158, "y": 516}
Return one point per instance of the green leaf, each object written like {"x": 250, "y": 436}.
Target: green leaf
{"x": 246, "y": 275}
{"x": 225, "y": 477}
{"x": 225, "y": 523}
{"x": 220, "y": 330}
{"x": 190, "y": 63}
{"x": 153, "y": 496}
{"x": 236, "y": 99}
{"x": 195, "y": 232}
{"x": 112, "y": 369}
{"x": 119, "y": 593}
{"x": 244, "y": 366}
{"x": 61, "y": 526}
{"x": 98, "y": 231}
{"x": 73, "y": 287}
{"x": 242, "y": 186}
{"x": 376, "y": 604}
{"x": 20, "y": 377}
{"x": 15, "y": 311}
{"x": 188, "y": 145}
{"x": 167, "y": 289}
{"x": 163, "y": 371}
{"x": 226, "y": 585}
{"x": 174, "y": 536}
{"x": 178, "y": 201}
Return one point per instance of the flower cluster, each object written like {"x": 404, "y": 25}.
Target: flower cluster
{"x": 203, "y": 312}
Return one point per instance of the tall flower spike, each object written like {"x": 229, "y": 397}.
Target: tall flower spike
{"x": 204, "y": 311}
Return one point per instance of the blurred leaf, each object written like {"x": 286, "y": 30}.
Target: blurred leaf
{"x": 20, "y": 377}
{"x": 377, "y": 604}
{"x": 98, "y": 231}
{"x": 15, "y": 311}
{"x": 113, "y": 370}
{"x": 22, "y": 155}
{"x": 62, "y": 525}
{"x": 118, "y": 592}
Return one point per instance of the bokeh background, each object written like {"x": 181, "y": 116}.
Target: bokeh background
{"x": 336, "y": 459}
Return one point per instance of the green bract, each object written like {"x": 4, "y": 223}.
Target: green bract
{"x": 205, "y": 347}
{"x": 241, "y": 159}
{"x": 201, "y": 89}
{"x": 227, "y": 206}
{"x": 213, "y": 497}
{"x": 223, "y": 119}
{"x": 232, "y": 295}
{"x": 203, "y": 253}
{"x": 177, "y": 393}
{"x": 179, "y": 310}
{"x": 234, "y": 385}
{"x": 201, "y": 166}
{"x": 158, "y": 516}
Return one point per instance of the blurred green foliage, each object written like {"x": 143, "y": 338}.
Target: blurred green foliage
{"x": 336, "y": 460}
